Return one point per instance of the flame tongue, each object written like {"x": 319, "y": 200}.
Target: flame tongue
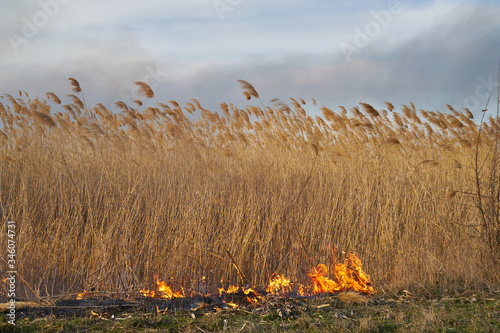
{"x": 80, "y": 296}
{"x": 230, "y": 290}
{"x": 164, "y": 291}
{"x": 321, "y": 283}
{"x": 279, "y": 285}
{"x": 348, "y": 276}
{"x": 234, "y": 290}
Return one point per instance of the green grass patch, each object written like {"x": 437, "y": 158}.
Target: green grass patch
{"x": 321, "y": 315}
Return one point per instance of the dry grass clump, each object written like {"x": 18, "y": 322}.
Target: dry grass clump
{"x": 352, "y": 297}
{"x": 105, "y": 201}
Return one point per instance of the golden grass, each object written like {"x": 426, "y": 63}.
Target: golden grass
{"x": 104, "y": 201}
{"x": 352, "y": 297}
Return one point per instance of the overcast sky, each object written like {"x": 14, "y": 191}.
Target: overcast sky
{"x": 431, "y": 53}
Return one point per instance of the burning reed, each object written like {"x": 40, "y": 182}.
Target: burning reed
{"x": 106, "y": 201}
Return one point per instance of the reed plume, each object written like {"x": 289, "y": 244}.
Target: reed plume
{"x": 76, "y": 101}
{"x": 44, "y": 118}
{"x": 370, "y": 110}
{"x": 77, "y": 89}
{"x": 144, "y": 89}
{"x": 75, "y": 84}
{"x": 249, "y": 89}
{"x": 53, "y": 98}
{"x": 390, "y": 107}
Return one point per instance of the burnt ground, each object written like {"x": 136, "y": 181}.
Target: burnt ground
{"x": 234, "y": 313}
{"x": 70, "y": 306}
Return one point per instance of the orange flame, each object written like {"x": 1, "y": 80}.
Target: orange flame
{"x": 249, "y": 291}
{"x": 252, "y": 295}
{"x": 234, "y": 290}
{"x": 279, "y": 285}
{"x": 231, "y": 304}
{"x": 348, "y": 276}
{"x": 80, "y": 296}
{"x": 252, "y": 300}
{"x": 164, "y": 291}
{"x": 301, "y": 290}
{"x": 230, "y": 290}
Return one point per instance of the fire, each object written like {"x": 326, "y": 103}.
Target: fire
{"x": 164, "y": 291}
{"x": 279, "y": 285}
{"x": 230, "y": 290}
{"x": 234, "y": 290}
{"x": 251, "y": 297}
{"x": 321, "y": 283}
{"x": 80, "y": 296}
{"x": 231, "y": 304}
{"x": 301, "y": 290}
{"x": 249, "y": 291}
{"x": 348, "y": 276}
{"x": 252, "y": 300}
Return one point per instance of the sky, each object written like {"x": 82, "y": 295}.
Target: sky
{"x": 429, "y": 52}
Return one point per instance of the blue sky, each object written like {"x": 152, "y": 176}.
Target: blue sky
{"x": 431, "y": 53}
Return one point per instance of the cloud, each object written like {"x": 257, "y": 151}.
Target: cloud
{"x": 431, "y": 53}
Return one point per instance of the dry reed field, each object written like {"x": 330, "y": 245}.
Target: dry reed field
{"x": 105, "y": 201}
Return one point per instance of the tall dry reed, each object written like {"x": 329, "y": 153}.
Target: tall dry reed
{"x": 104, "y": 201}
